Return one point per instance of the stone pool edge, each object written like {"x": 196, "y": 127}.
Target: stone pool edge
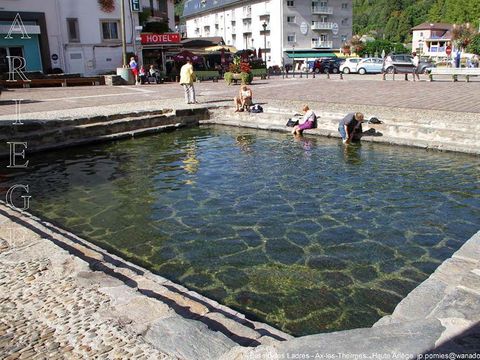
{"x": 436, "y": 134}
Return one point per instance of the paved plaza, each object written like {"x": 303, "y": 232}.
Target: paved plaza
{"x": 352, "y": 92}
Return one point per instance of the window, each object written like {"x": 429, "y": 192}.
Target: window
{"x": 290, "y": 3}
{"x": 290, "y": 19}
{"x": 291, "y": 38}
{"x": 344, "y": 5}
{"x": 110, "y": 30}
{"x": 345, "y": 21}
{"x": 72, "y": 28}
{"x": 344, "y": 38}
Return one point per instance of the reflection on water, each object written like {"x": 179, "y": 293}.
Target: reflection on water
{"x": 306, "y": 234}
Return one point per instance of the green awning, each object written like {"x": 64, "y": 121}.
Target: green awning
{"x": 309, "y": 55}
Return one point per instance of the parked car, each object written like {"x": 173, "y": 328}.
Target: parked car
{"x": 330, "y": 65}
{"x": 399, "y": 60}
{"x": 370, "y": 65}
{"x": 350, "y": 65}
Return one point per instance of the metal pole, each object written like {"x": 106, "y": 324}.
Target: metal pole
{"x": 124, "y": 36}
{"x": 265, "y": 43}
{"x": 293, "y": 54}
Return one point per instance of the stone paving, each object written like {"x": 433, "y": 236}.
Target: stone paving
{"x": 48, "y": 314}
{"x": 354, "y": 90}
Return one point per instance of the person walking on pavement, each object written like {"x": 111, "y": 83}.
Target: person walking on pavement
{"x": 416, "y": 63}
{"x": 187, "y": 77}
{"x": 134, "y": 67}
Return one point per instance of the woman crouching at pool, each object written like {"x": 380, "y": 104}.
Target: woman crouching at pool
{"x": 307, "y": 122}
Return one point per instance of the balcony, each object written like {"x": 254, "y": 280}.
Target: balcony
{"x": 247, "y": 29}
{"x": 319, "y": 25}
{"x": 322, "y": 10}
{"x": 156, "y": 15}
{"x": 322, "y": 44}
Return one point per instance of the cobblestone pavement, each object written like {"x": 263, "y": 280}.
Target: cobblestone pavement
{"x": 47, "y": 314}
{"x": 353, "y": 90}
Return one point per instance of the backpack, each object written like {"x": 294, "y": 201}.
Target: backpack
{"x": 256, "y": 109}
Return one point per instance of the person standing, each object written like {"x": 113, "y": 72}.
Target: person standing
{"x": 416, "y": 63}
{"x": 350, "y": 127}
{"x": 134, "y": 66}
{"x": 187, "y": 77}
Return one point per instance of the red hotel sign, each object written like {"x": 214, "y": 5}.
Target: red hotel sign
{"x": 166, "y": 38}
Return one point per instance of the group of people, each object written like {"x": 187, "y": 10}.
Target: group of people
{"x": 141, "y": 75}
{"x": 350, "y": 127}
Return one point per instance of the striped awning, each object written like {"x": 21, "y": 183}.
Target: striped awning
{"x": 308, "y": 55}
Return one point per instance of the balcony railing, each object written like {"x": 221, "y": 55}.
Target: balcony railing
{"x": 319, "y": 25}
{"x": 316, "y": 9}
{"x": 247, "y": 29}
{"x": 322, "y": 44}
{"x": 267, "y": 29}
{"x": 247, "y": 14}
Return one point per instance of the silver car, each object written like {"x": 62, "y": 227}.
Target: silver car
{"x": 398, "y": 60}
{"x": 370, "y": 66}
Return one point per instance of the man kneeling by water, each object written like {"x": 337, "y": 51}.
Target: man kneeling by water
{"x": 307, "y": 122}
{"x": 350, "y": 127}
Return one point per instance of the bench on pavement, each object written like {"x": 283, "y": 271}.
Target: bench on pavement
{"x": 207, "y": 75}
{"x": 455, "y": 73}
{"x": 262, "y": 73}
{"x": 99, "y": 80}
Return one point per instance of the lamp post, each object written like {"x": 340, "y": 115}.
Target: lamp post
{"x": 293, "y": 55}
{"x": 264, "y": 25}
{"x": 124, "y": 37}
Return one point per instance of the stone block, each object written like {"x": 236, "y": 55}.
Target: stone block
{"x": 460, "y": 303}
{"x": 188, "y": 339}
{"x": 408, "y": 338}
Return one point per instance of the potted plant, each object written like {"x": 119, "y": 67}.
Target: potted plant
{"x": 238, "y": 70}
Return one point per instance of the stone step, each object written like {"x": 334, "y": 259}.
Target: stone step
{"x": 45, "y": 136}
{"x": 399, "y": 134}
{"x": 7, "y": 130}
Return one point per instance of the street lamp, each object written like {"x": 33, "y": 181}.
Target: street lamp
{"x": 264, "y": 25}
{"x": 293, "y": 55}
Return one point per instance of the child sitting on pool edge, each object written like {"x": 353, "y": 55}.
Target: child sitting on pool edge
{"x": 307, "y": 122}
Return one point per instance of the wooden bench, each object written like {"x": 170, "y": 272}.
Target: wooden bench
{"x": 100, "y": 80}
{"x": 207, "y": 75}
{"x": 262, "y": 73}
{"x": 455, "y": 73}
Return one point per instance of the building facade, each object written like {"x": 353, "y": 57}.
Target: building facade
{"x": 432, "y": 39}
{"x": 76, "y": 36}
{"x": 283, "y": 29}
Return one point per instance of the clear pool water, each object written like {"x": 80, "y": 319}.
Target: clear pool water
{"x": 306, "y": 235}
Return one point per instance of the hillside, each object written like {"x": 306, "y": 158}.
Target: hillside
{"x": 393, "y": 19}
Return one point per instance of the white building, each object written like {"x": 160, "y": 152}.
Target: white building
{"x": 432, "y": 39}
{"x": 77, "y": 36}
{"x": 286, "y": 28}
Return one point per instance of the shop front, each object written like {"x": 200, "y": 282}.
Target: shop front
{"x": 159, "y": 49}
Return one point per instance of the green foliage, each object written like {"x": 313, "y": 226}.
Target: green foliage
{"x": 375, "y": 48}
{"x": 228, "y": 76}
{"x": 393, "y": 19}
{"x": 246, "y": 78}
{"x": 474, "y": 46}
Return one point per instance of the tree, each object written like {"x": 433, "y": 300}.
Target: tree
{"x": 474, "y": 46}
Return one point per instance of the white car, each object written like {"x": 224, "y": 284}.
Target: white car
{"x": 370, "y": 66}
{"x": 350, "y": 65}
